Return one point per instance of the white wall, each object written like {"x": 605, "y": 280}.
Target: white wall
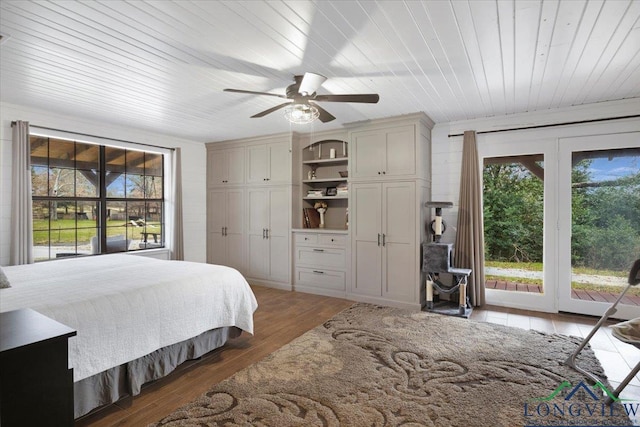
{"x": 193, "y": 170}
{"x": 447, "y": 151}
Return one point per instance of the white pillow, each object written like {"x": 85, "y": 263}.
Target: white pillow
{"x": 4, "y": 282}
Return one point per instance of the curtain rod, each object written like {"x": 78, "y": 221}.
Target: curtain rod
{"x": 550, "y": 125}
{"x": 97, "y": 136}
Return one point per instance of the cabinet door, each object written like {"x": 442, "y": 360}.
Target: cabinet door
{"x": 235, "y": 251}
{"x": 399, "y": 269}
{"x": 367, "y": 154}
{"x": 258, "y": 215}
{"x": 257, "y": 164}
{"x": 234, "y": 233}
{"x": 278, "y": 212}
{"x": 278, "y": 258}
{"x": 278, "y": 237}
{"x": 279, "y": 163}
{"x": 400, "y": 152}
{"x": 216, "y": 201}
{"x": 366, "y": 249}
{"x": 384, "y": 153}
{"x": 216, "y": 167}
{"x": 225, "y": 166}
{"x": 235, "y": 166}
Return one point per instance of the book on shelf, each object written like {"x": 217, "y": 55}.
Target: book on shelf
{"x": 312, "y": 218}
{"x": 305, "y": 219}
{"x": 342, "y": 189}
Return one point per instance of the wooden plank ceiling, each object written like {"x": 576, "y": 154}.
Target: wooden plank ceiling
{"x": 163, "y": 65}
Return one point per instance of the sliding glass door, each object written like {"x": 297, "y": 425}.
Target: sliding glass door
{"x": 599, "y": 222}
{"x": 518, "y": 197}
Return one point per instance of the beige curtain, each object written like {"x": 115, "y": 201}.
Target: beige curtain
{"x": 21, "y": 245}
{"x": 177, "y": 236}
{"x": 469, "y": 245}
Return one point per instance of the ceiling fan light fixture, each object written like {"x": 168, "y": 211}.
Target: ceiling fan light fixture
{"x": 301, "y": 113}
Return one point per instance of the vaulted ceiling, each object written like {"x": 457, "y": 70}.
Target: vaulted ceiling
{"x": 162, "y": 65}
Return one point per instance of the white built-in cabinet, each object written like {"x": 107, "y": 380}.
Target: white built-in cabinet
{"x": 370, "y": 247}
{"x": 225, "y": 225}
{"x": 225, "y": 166}
{"x": 321, "y": 254}
{"x": 389, "y": 179}
{"x": 384, "y": 153}
{"x": 321, "y": 260}
{"x": 268, "y": 233}
{"x": 249, "y": 208}
{"x": 269, "y": 163}
{"x": 384, "y": 241}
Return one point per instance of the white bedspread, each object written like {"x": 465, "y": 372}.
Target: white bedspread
{"x": 126, "y": 306}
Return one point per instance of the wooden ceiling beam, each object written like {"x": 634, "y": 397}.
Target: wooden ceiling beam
{"x": 529, "y": 161}
{"x": 534, "y": 168}
{"x": 513, "y": 159}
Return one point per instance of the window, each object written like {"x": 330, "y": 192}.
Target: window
{"x": 94, "y": 199}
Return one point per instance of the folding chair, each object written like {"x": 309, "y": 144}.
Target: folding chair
{"x": 628, "y": 332}
{"x": 625, "y": 331}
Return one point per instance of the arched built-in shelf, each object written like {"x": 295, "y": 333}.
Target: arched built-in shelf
{"x": 324, "y": 170}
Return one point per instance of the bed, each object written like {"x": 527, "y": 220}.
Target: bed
{"x": 137, "y": 318}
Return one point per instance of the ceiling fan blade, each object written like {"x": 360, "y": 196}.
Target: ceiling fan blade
{"x": 310, "y": 83}
{"x": 324, "y": 115}
{"x": 370, "y": 98}
{"x": 270, "y": 110}
{"x": 254, "y": 93}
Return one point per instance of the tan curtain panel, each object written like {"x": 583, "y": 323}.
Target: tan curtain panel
{"x": 21, "y": 245}
{"x": 469, "y": 245}
{"x": 177, "y": 235}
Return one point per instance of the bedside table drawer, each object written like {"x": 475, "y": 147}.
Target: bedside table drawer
{"x": 338, "y": 240}
{"x": 327, "y": 279}
{"x": 321, "y": 257}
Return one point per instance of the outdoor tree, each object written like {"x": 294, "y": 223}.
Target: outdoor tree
{"x": 605, "y": 230}
{"x": 606, "y": 220}
{"x": 513, "y": 218}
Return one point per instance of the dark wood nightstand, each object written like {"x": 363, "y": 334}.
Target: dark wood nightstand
{"x": 36, "y": 384}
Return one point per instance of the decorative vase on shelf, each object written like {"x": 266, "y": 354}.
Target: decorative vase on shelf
{"x": 321, "y": 211}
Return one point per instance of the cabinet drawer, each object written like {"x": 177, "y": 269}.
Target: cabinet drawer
{"x": 318, "y": 277}
{"x": 321, "y": 257}
{"x": 339, "y": 240}
{"x": 306, "y": 238}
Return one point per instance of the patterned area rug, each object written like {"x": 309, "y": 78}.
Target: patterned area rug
{"x": 380, "y": 366}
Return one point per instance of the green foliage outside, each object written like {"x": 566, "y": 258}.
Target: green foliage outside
{"x": 606, "y": 218}
{"x": 513, "y": 214}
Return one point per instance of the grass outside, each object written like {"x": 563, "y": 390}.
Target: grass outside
{"x": 530, "y": 266}
{"x": 66, "y": 231}
{"x": 537, "y": 266}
